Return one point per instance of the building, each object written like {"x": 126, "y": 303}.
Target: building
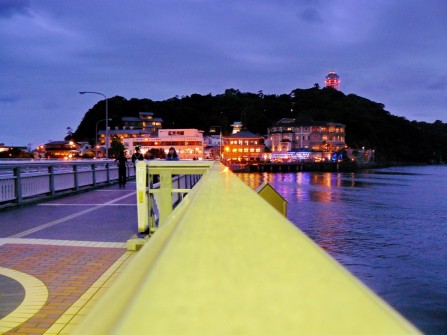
{"x": 289, "y": 135}
{"x": 212, "y": 146}
{"x": 188, "y": 143}
{"x": 242, "y": 146}
{"x": 237, "y": 126}
{"x": 332, "y": 80}
{"x": 134, "y": 127}
{"x": 13, "y": 151}
{"x": 58, "y": 149}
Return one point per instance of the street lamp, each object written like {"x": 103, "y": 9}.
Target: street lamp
{"x": 213, "y": 130}
{"x": 96, "y": 133}
{"x": 107, "y": 120}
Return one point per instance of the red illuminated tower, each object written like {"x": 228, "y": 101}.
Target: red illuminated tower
{"x": 332, "y": 80}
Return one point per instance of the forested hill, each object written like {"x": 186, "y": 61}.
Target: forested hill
{"x": 368, "y": 124}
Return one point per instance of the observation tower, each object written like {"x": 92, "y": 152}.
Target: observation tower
{"x": 332, "y": 80}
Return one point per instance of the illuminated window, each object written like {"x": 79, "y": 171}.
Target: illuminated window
{"x": 240, "y": 149}
{"x": 252, "y": 150}
{"x": 258, "y": 150}
{"x": 245, "y": 149}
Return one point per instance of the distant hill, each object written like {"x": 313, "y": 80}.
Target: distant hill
{"x": 368, "y": 124}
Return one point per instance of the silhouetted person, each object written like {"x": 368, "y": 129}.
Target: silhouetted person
{"x": 148, "y": 156}
{"x": 122, "y": 163}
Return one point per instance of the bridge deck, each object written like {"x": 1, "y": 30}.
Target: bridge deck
{"x": 57, "y": 257}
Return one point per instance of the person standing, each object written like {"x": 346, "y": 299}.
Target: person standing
{"x": 172, "y": 155}
{"x": 148, "y": 156}
{"x": 137, "y": 156}
{"x": 122, "y": 163}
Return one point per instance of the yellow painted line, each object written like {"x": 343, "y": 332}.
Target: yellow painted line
{"x": 71, "y": 243}
{"x": 36, "y": 295}
{"x": 74, "y": 314}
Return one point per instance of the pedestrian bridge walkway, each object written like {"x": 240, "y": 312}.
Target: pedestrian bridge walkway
{"x": 223, "y": 262}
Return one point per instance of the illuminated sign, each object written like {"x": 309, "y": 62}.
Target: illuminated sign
{"x": 292, "y": 155}
{"x": 300, "y": 154}
{"x": 176, "y": 132}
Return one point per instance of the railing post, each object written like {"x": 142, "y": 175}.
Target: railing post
{"x": 142, "y": 198}
{"x": 108, "y": 172}
{"x": 165, "y": 207}
{"x": 51, "y": 180}
{"x": 18, "y": 185}
{"x": 76, "y": 177}
{"x": 94, "y": 174}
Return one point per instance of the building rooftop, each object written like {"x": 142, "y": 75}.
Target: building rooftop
{"x": 244, "y": 134}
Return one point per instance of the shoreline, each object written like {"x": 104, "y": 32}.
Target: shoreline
{"x": 317, "y": 167}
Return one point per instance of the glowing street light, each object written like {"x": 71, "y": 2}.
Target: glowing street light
{"x": 107, "y": 120}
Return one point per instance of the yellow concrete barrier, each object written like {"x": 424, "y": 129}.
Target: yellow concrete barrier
{"x": 226, "y": 262}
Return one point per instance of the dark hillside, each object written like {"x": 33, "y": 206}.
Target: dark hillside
{"x": 368, "y": 124}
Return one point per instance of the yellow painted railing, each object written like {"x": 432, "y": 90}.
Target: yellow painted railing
{"x": 226, "y": 262}
{"x": 165, "y": 195}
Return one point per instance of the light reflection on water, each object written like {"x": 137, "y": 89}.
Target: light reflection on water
{"x": 387, "y": 226}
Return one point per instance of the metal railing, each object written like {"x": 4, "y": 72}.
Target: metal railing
{"x": 226, "y": 262}
{"x": 22, "y": 181}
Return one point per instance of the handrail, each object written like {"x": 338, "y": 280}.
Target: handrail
{"x": 226, "y": 262}
{"x": 28, "y": 181}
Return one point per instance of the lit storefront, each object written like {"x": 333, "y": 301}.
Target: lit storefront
{"x": 289, "y": 135}
{"x": 188, "y": 143}
{"x": 243, "y": 146}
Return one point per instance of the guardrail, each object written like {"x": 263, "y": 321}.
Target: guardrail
{"x": 22, "y": 181}
{"x": 156, "y": 201}
{"x": 226, "y": 262}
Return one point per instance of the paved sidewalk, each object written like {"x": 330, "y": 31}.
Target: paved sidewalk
{"x": 57, "y": 257}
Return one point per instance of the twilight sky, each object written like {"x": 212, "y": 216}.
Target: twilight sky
{"x": 390, "y": 51}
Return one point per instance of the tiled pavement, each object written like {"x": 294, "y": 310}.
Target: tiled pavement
{"x": 57, "y": 257}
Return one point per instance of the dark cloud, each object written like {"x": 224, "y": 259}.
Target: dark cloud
{"x": 392, "y": 52}
{"x": 438, "y": 83}
{"x": 9, "y": 8}
{"x": 8, "y": 99}
{"x": 310, "y": 15}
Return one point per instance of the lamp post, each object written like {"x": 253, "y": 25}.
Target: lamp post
{"x": 96, "y": 133}
{"x": 213, "y": 130}
{"x": 107, "y": 120}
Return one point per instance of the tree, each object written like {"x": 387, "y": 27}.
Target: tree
{"x": 368, "y": 124}
{"x": 115, "y": 148}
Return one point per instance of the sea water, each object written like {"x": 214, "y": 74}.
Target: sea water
{"x": 387, "y": 226}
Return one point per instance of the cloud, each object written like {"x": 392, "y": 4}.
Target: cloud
{"x": 392, "y": 52}
{"x": 437, "y": 83}
{"x": 310, "y": 15}
{"x": 10, "y": 8}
